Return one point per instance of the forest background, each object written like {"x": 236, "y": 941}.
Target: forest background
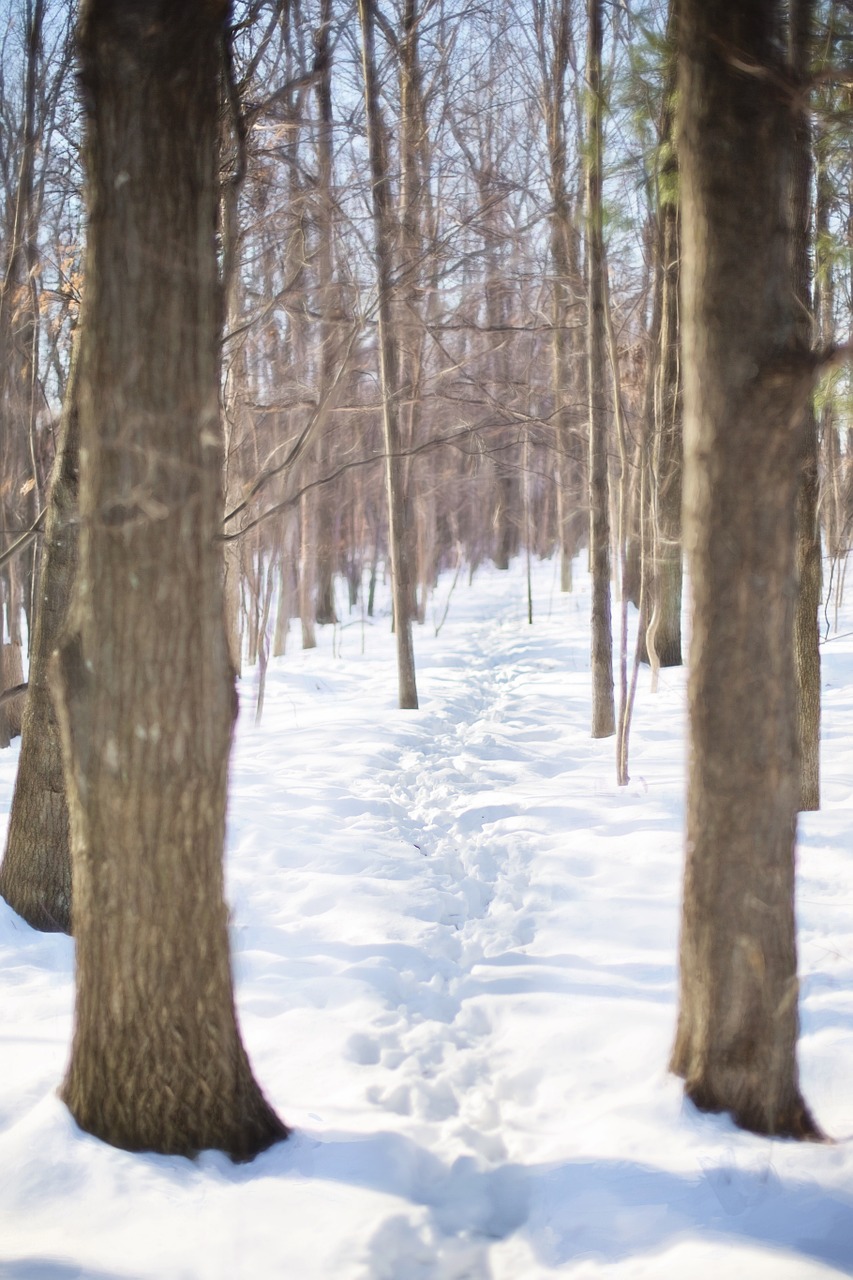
{"x": 449, "y": 246}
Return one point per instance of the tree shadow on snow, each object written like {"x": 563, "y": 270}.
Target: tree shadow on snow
{"x": 606, "y": 1210}
{"x": 50, "y": 1269}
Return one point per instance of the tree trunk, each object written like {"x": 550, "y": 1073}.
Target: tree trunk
{"x": 556, "y": 44}
{"x": 35, "y": 878}
{"x": 308, "y": 568}
{"x": 233, "y": 420}
{"x": 329, "y": 301}
{"x": 747, "y": 380}
{"x": 603, "y": 715}
{"x": 399, "y": 531}
{"x": 668, "y": 451}
{"x": 146, "y": 698}
{"x": 807, "y": 630}
{"x": 824, "y": 298}
{"x": 20, "y": 331}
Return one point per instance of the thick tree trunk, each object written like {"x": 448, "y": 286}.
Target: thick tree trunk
{"x": 35, "y": 878}
{"x": 146, "y": 698}
{"x": 603, "y": 714}
{"x": 747, "y": 381}
{"x": 807, "y": 630}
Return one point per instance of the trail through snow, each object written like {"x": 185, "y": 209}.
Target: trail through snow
{"x": 455, "y": 944}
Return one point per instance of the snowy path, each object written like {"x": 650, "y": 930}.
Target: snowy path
{"x": 455, "y": 947}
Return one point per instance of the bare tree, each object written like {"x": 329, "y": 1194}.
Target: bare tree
{"x": 748, "y": 377}
{"x": 603, "y": 714}
{"x": 557, "y": 59}
{"x": 35, "y": 876}
{"x": 385, "y": 237}
{"x": 663, "y": 635}
{"x": 26, "y": 145}
{"x": 145, "y": 690}
{"x": 316, "y": 585}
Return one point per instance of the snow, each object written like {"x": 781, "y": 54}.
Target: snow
{"x": 455, "y": 948}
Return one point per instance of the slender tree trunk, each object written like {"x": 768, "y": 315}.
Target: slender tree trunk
{"x": 399, "y": 531}
{"x": 329, "y": 300}
{"x": 308, "y": 568}
{"x": 555, "y": 39}
{"x": 669, "y": 449}
{"x": 603, "y": 715}
{"x": 145, "y": 689}
{"x": 748, "y": 377}
{"x": 35, "y": 877}
{"x": 19, "y": 364}
{"x": 641, "y": 567}
{"x": 824, "y": 298}
{"x": 660, "y": 623}
{"x": 410, "y": 326}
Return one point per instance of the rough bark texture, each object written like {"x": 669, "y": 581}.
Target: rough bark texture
{"x": 13, "y": 678}
{"x": 146, "y": 696}
{"x": 747, "y": 382}
{"x": 806, "y": 630}
{"x": 603, "y": 713}
{"x": 233, "y": 419}
{"x": 35, "y": 878}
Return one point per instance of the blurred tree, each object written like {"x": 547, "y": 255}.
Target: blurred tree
{"x": 35, "y": 876}
{"x": 748, "y": 378}
{"x": 806, "y": 626}
{"x": 385, "y": 236}
{"x": 603, "y": 713}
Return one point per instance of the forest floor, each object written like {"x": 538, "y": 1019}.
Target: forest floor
{"x": 455, "y": 947}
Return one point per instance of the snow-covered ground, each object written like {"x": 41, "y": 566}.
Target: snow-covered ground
{"x": 455, "y": 949}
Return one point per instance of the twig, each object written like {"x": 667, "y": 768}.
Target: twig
{"x": 24, "y": 541}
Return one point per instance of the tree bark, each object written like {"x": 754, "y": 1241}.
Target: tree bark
{"x": 748, "y": 377}
{"x": 329, "y": 301}
{"x": 668, "y": 450}
{"x": 20, "y": 330}
{"x": 555, "y": 39}
{"x": 824, "y": 299}
{"x": 807, "y": 631}
{"x": 35, "y": 877}
{"x": 145, "y": 689}
{"x": 603, "y": 714}
{"x": 233, "y": 418}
